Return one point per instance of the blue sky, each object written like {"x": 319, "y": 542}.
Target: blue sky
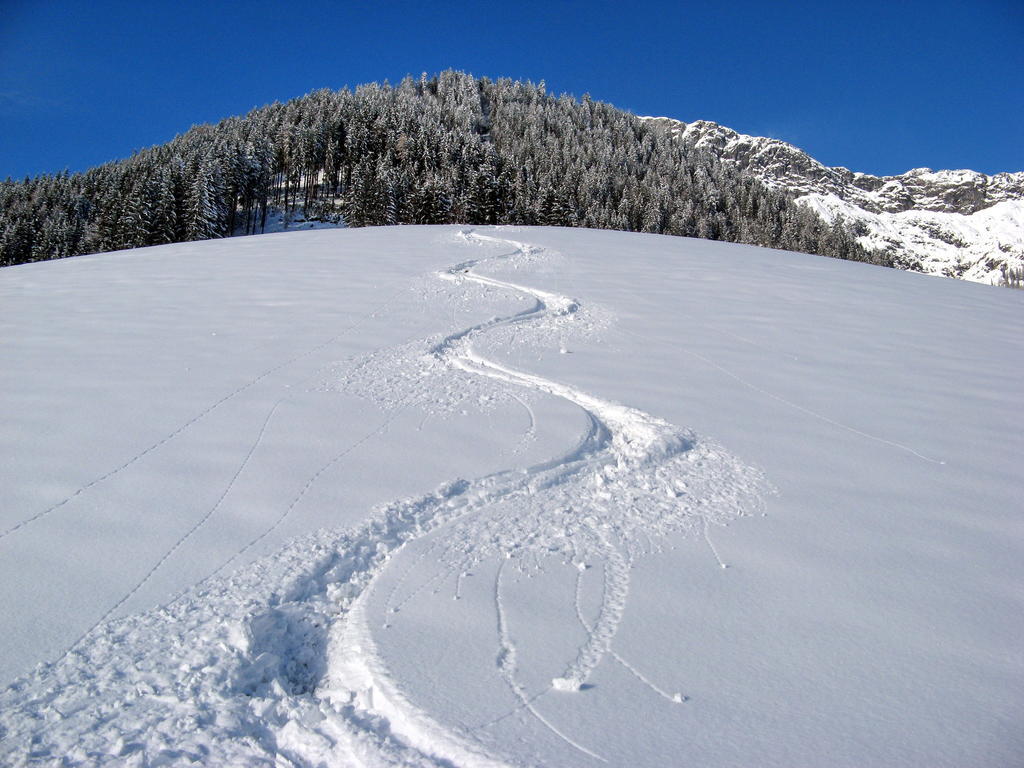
{"x": 880, "y": 87}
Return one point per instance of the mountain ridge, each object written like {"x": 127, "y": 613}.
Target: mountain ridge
{"x": 447, "y": 149}
{"x": 460, "y": 149}
{"x": 957, "y": 223}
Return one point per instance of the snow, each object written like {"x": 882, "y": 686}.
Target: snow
{"x": 972, "y": 247}
{"x": 953, "y": 223}
{"x": 279, "y": 221}
{"x": 507, "y": 496}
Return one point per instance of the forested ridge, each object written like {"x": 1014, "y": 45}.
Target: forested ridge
{"x": 448, "y": 149}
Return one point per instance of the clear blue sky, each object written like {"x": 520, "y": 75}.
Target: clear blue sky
{"x": 880, "y": 87}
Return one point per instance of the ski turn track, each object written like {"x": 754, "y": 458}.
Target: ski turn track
{"x": 277, "y": 664}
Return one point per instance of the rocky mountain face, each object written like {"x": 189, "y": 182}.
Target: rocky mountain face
{"x": 954, "y": 223}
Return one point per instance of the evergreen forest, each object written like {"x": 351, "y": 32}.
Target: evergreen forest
{"x": 447, "y": 149}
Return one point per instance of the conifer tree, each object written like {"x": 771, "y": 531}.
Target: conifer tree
{"x": 203, "y": 216}
{"x": 433, "y": 150}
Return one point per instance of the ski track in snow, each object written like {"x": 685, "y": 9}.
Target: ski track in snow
{"x": 507, "y": 664}
{"x": 306, "y": 486}
{"x": 196, "y": 419}
{"x": 186, "y": 536}
{"x": 796, "y": 406}
{"x": 815, "y": 414}
{"x": 277, "y": 664}
{"x": 675, "y": 698}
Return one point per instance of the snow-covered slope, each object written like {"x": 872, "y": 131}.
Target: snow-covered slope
{"x": 954, "y": 223}
{"x": 507, "y": 496}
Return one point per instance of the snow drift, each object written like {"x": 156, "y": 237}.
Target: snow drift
{"x": 476, "y": 496}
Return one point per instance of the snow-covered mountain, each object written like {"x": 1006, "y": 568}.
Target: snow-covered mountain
{"x": 452, "y": 496}
{"x": 454, "y": 149}
{"x": 954, "y": 223}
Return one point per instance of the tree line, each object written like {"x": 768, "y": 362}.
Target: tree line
{"x": 446, "y": 149}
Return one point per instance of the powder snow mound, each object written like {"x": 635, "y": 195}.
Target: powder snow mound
{"x": 379, "y": 518}
{"x": 306, "y": 649}
{"x": 956, "y": 223}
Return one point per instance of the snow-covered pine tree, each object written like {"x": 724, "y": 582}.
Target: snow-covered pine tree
{"x": 432, "y": 150}
{"x": 204, "y": 218}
